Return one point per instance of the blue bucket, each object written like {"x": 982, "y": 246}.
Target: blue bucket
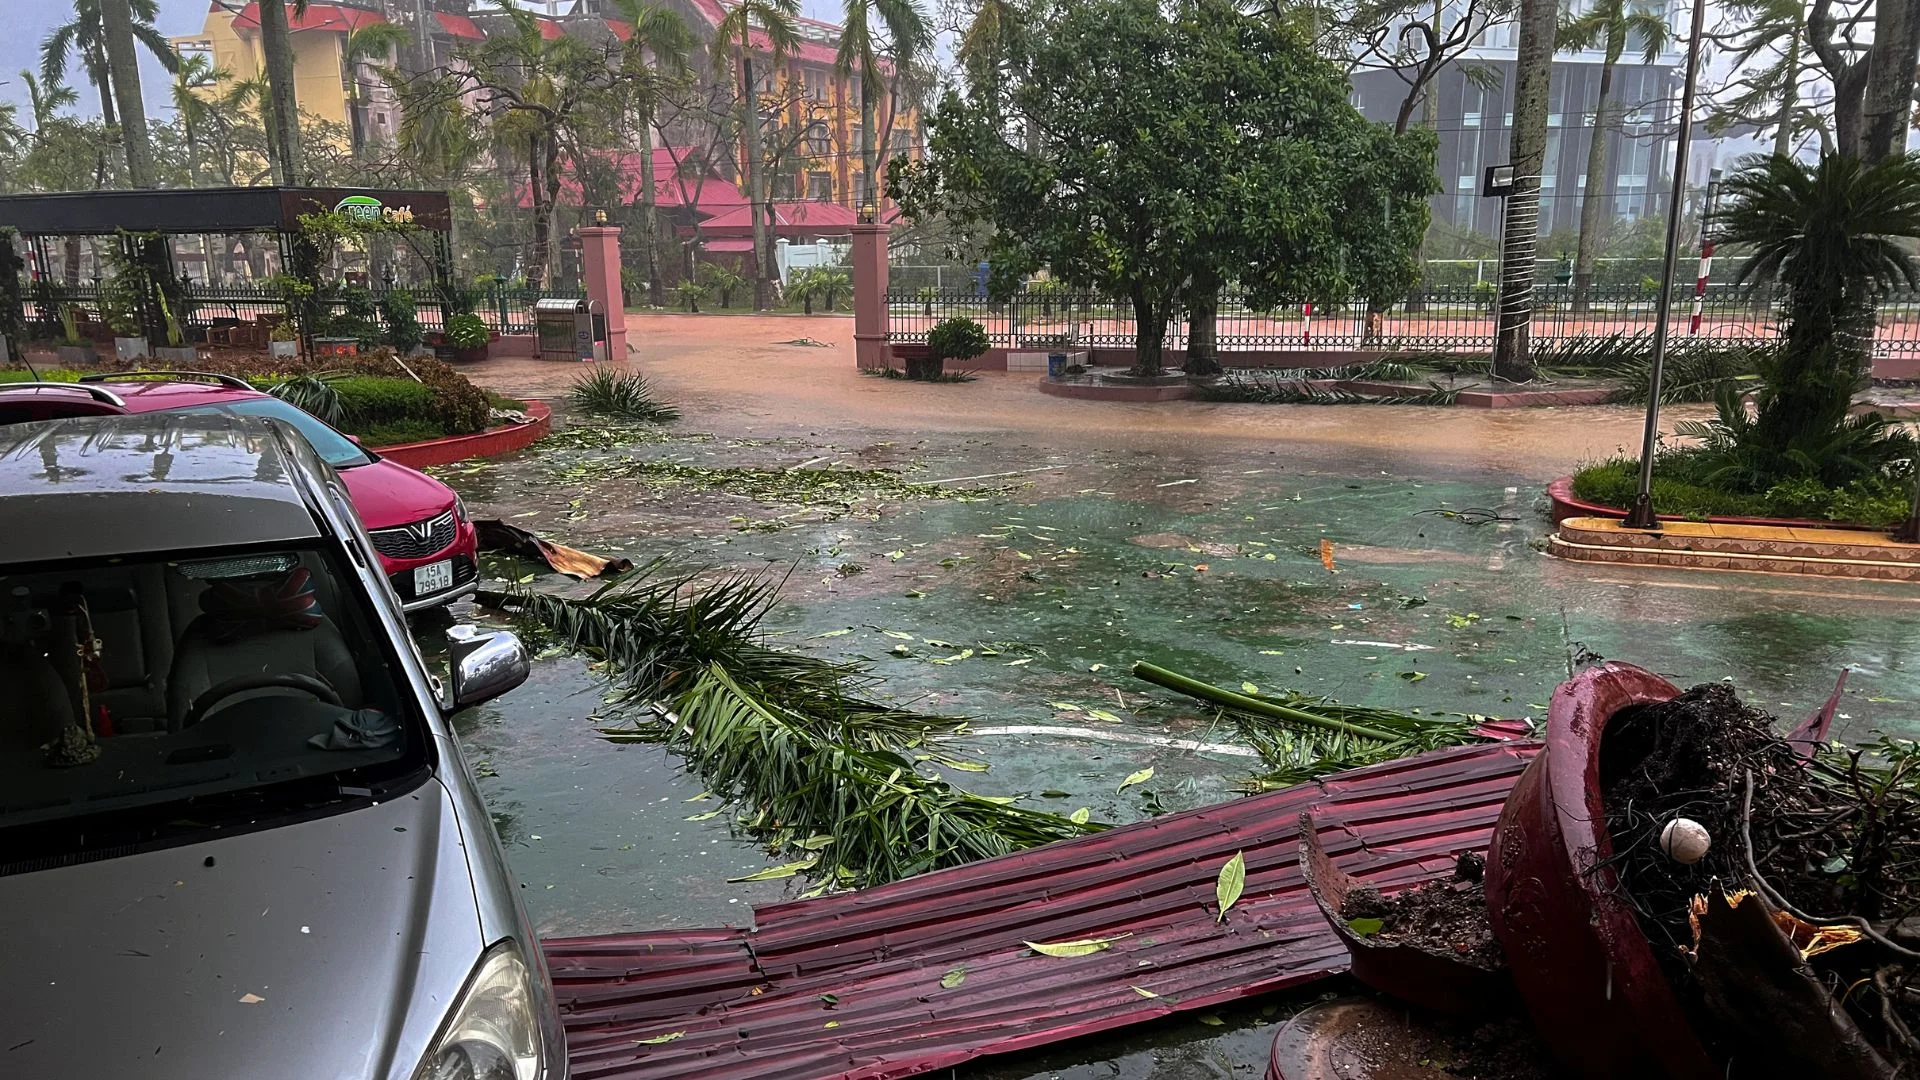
{"x": 1056, "y": 364}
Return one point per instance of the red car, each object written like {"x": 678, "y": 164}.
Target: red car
{"x": 419, "y": 526}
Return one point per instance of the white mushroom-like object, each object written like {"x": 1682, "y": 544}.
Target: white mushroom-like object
{"x": 1685, "y": 840}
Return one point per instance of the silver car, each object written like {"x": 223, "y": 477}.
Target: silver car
{"x": 236, "y": 836}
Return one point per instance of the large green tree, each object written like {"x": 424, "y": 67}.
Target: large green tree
{"x": 1168, "y": 152}
{"x": 1606, "y": 26}
{"x": 83, "y": 38}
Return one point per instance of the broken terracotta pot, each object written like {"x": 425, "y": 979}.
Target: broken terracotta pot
{"x": 1586, "y": 971}
{"x": 1422, "y": 977}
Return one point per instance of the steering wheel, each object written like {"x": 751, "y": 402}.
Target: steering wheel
{"x": 214, "y": 695}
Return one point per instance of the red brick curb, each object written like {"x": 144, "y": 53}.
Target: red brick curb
{"x": 1566, "y": 505}
{"x": 494, "y": 441}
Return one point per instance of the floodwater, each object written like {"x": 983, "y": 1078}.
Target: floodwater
{"x": 1126, "y": 534}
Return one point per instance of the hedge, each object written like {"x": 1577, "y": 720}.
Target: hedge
{"x": 1681, "y": 486}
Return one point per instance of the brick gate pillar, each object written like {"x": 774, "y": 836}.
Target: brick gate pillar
{"x": 870, "y": 349}
{"x": 600, "y": 259}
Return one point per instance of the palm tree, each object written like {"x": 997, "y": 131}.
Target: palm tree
{"x": 1836, "y": 235}
{"x": 281, "y": 113}
{"x": 116, "y": 23}
{"x": 83, "y": 37}
{"x": 907, "y": 33}
{"x": 369, "y": 42}
{"x": 1533, "y": 67}
{"x": 196, "y": 76}
{"x": 1767, "y": 93}
{"x": 46, "y": 99}
{"x": 658, "y": 54}
{"x": 987, "y": 49}
{"x": 772, "y": 21}
{"x": 1607, "y": 26}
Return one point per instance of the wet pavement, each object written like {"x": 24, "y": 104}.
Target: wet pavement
{"x": 1024, "y": 609}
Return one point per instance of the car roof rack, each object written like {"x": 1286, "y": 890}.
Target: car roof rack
{"x": 98, "y": 393}
{"x": 232, "y": 381}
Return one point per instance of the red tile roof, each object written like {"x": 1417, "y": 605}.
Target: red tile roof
{"x": 621, "y": 29}
{"x": 733, "y": 1004}
{"x": 550, "y": 28}
{"x": 338, "y": 19}
{"x": 715, "y": 195}
{"x": 460, "y": 26}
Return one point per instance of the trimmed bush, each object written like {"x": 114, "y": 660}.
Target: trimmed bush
{"x": 1681, "y": 486}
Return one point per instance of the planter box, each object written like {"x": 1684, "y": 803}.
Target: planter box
{"x": 1037, "y": 361}
{"x": 177, "y": 354}
{"x": 77, "y": 356}
{"x": 283, "y": 350}
{"x": 329, "y": 346}
{"x": 129, "y": 348}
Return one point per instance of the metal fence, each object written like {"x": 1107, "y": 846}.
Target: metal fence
{"x": 507, "y": 309}
{"x": 1441, "y": 319}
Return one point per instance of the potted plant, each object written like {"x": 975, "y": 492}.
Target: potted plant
{"x": 128, "y": 342}
{"x": 398, "y": 309}
{"x": 284, "y": 344}
{"x": 74, "y": 349}
{"x": 953, "y": 339}
{"x": 467, "y": 337}
{"x": 176, "y": 350}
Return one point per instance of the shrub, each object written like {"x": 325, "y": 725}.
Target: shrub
{"x": 398, "y": 310}
{"x": 957, "y": 339}
{"x": 623, "y": 395}
{"x": 400, "y": 431}
{"x": 466, "y": 331}
{"x": 358, "y": 317}
{"x": 690, "y": 293}
{"x": 460, "y": 406}
{"x": 1683, "y": 485}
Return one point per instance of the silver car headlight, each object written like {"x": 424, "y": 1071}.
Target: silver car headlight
{"x": 492, "y": 1033}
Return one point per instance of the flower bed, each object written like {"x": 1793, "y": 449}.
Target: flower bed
{"x": 1683, "y": 491}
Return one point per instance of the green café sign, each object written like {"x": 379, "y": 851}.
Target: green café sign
{"x": 368, "y": 208}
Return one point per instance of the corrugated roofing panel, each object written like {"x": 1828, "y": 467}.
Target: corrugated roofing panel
{"x": 749, "y": 1004}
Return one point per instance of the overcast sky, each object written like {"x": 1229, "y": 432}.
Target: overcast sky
{"x": 31, "y": 22}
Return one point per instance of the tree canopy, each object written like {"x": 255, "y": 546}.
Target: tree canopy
{"x": 1168, "y": 150}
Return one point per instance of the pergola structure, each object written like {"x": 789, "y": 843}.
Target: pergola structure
{"x": 215, "y": 211}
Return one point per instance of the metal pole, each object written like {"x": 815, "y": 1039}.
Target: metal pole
{"x": 1642, "y": 515}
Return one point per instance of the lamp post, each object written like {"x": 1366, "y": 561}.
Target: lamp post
{"x": 1641, "y": 516}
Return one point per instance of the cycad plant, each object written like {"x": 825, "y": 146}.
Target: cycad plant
{"x": 1834, "y": 233}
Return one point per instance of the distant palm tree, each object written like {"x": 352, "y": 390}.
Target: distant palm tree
{"x": 123, "y": 62}
{"x": 657, "y": 54}
{"x": 196, "y": 77}
{"x": 46, "y": 99}
{"x": 1837, "y": 235}
{"x": 83, "y": 37}
{"x": 770, "y": 21}
{"x": 907, "y": 34}
{"x": 1608, "y": 26}
{"x": 374, "y": 41}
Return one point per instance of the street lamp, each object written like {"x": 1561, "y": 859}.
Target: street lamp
{"x": 1641, "y": 516}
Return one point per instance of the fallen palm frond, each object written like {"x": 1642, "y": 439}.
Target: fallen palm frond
{"x": 807, "y": 764}
{"x": 1301, "y": 737}
{"x": 612, "y": 435}
{"x": 1321, "y": 386}
{"x": 312, "y": 393}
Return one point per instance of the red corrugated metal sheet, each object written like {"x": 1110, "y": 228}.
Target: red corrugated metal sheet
{"x": 748, "y": 1003}
{"x": 460, "y": 26}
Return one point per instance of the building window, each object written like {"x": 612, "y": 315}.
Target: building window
{"x": 816, "y": 84}
{"x": 820, "y": 186}
{"x": 819, "y": 141}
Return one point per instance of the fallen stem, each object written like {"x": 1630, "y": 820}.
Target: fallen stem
{"x": 1228, "y": 699}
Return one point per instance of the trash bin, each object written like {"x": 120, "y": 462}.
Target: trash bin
{"x": 563, "y": 329}
{"x": 1056, "y": 365}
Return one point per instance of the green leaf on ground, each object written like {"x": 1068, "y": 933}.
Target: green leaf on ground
{"x": 659, "y": 1039}
{"x": 1231, "y": 882}
{"x": 1140, "y": 777}
{"x": 1083, "y": 947}
{"x": 1081, "y": 816}
{"x": 832, "y": 633}
{"x": 1364, "y": 927}
{"x": 773, "y": 873}
{"x": 1143, "y": 992}
{"x": 1102, "y": 714}
{"x": 953, "y": 978}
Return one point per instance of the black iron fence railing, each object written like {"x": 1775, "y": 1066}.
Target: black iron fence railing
{"x": 1439, "y": 319}
{"x": 506, "y": 309}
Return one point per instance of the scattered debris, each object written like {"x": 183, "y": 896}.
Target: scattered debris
{"x": 494, "y": 535}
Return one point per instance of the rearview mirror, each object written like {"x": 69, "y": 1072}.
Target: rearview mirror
{"x": 484, "y": 665}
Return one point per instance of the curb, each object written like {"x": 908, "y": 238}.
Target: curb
{"x": 489, "y": 443}
{"x": 1566, "y": 505}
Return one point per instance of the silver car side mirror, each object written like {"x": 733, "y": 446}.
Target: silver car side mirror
{"x": 484, "y": 664}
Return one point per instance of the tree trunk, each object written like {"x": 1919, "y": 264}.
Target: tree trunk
{"x": 1203, "y": 318}
{"x": 1849, "y": 121}
{"x": 1594, "y": 215}
{"x": 1521, "y": 229}
{"x": 1789, "y": 101}
{"x": 650, "y": 216}
{"x": 1887, "y": 101}
{"x": 550, "y": 271}
{"x": 1149, "y": 333}
{"x": 116, "y": 20}
{"x": 756, "y": 188}
{"x": 282, "y": 106}
{"x": 103, "y": 82}
{"x": 542, "y": 214}
{"x": 867, "y": 170}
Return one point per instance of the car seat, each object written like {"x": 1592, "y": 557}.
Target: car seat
{"x": 258, "y": 626}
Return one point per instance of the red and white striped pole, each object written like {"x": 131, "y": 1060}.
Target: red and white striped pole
{"x": 1706, "y": 255}
{"x": 1306, "y": 323}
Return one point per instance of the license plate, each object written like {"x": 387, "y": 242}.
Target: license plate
{"x": 433, "y": 578}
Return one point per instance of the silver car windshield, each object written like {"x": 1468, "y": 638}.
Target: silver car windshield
{"x": 336, "y": 449}
{"x": 221, "y": 687}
